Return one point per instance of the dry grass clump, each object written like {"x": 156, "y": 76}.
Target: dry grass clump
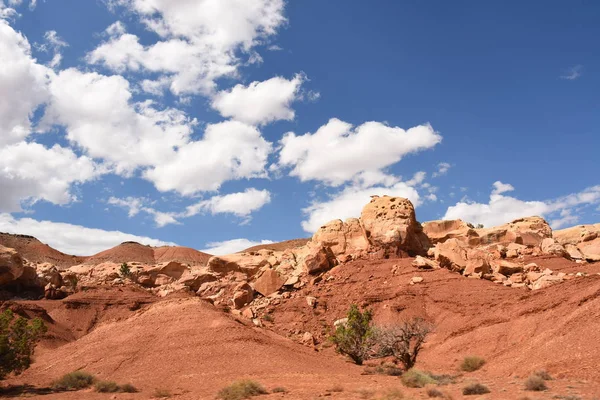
{"x": 472, "y": 363}
{"x": 128, "y": 388}
{"x": 279, "y": 389}
{"x": 106, "y": 387}
{"x": 241, "y": 390}
{"x": 542, "y": 373}
{"x": 475, "y": 388}
{"x": 535, "y": 384}
{"x": 160, "y": 393}
{"x": 76, "y": 380}
{"x": 433, "y": 392}
{"x": 393, "y": 394}
{"x": 390, "y": 370}
{"x": 413, "y": 378}
{"x": 336, "y": 389}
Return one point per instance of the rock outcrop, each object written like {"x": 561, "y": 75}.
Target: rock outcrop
{"x": 582, "y": 242}
{"x": 11, "y": 265}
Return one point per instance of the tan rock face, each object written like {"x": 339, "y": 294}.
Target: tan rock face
{"x": 240, "y": 262}
{"x": 242, "y": 295}
{"x": 551, "y": 246}
{"x": 390, "y": 225}
{"x": 451, "y": 254}
{"x": 11, "y": 265}
{"x": 342, "y": 237}
{"x": 269, "y": 282}
{"x": 528, "y": 231}
{"x": 581, "y": 242}
{"x": 442, "y": 230}
{"x": 315, "y": 258}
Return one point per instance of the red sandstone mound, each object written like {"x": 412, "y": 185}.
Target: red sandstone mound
{"x": 35, "y": 251}
{"x": 279, "y": 246}
{"x": 132, "y": 251}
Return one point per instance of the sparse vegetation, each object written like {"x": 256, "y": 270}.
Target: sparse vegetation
{"x": 268, "y": 318}
{"x": 279, "y": 389}
{"x": 241, "y": 390}
{"x": 433, "y": 392}
{"x": 390, "y": 370}
{"x": 542, "y": 373}
{"x": 18, "y": 338}
{"x": 404, "y": 341}
{"x": 125, "y": 271}
{"x": 76, "y": 380}
{"x": 472, "y": 363}
{"x": 393, "y": 394}
{"x": 365, "y": 393}
{"x": 128, "y": 388}
{"x": 336, "y": 389}
{"x": 535, "y": 384}
{"x": 106, "y": 387}
{"x": 161, "y": 393}
{"x": 355, "y": 338}
{"x": 475, "y": 388}
{"x": 413, "y": 378}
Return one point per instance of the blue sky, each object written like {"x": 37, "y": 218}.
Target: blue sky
{"x": 220, "y": 124}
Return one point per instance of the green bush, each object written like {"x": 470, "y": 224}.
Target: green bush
{"x": 18, "y": 338}
{"x": 475, "y": 388}
{"x": 125, "y": 271}
{"x": 106, "y": 387}
{"x": 74, "y": 381}
{"x": 241, "y": 390}
{"x": 413, "y": 378}
{"x": 356, "y": 337}
{"x": 535, "y": 384}
{"x": 472, "y": 363}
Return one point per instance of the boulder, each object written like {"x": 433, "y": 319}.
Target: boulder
{"x": 425, "y": 263}
{"x": 581, "y": 242}
{"x": 195, "y": 278}
{"x": 546, "y": 280}
{"x": 551, "y": 246}
{"x": 451, "y": 254}
{"x": 506, "y": 268}
{"x": 390, "y": 225}
{"x": 528, "y": 231}
{"x": 477, "y": 266}
{"x": 162, "y": 279}
{"x": 246, "y": 263}
{"x": 11, "y": 265}
{"x": 442, "y": 230}
{"x": 243, "y": 294}
{"x": 268, "y": 282}
{"x": 171, "y": 269}
{"x": 315, "y": 258}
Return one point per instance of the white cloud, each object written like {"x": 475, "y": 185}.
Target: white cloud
{"x": 72, "y": 239}
{"x": 260, "y": 102}
{"x": 502, "y": 209}
{"x": 240, "y": 204}
{"x": 203, "y": 40}
{"x": 33, "y": 172}
{"x": 337, "y": 153}
{"x": 573, "y": 73}
{"x": 22, "y": 84}
{"x": 231, "y": 246}
{"x": 55, "y": 43}
{"x": 229, "y": 150}
{"x": 99, "y": 117}
{"x": 442, "y": 169}
{"x": 350, "y": 202}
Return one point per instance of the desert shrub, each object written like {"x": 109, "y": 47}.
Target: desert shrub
{"x": 365, "y": 393}
{"x": 279, "y": 389}
{"x": 414, "y": 378}
{"x": 472, "y": 363}
{"x": 160, "y": 393}
{"x": 404, "y": 341}
{"x": 443, "y": 379}
{"x": 390, "y": 370}
{"x": 128, "y": 388}
{"x": 74, "y": 381}
{"x": 241, "y": 390}
{"x": 433, "y": 392}
{"x": 535, "y": 384}
{"x": 543, "y": 374}
{"x": 18, "y": 338}
{"x": 355, "y": 338}
{"x": 393, "y": 394}
{"x": 106, "y": 387}
{"x": 268, "y": 318}
{"x": 125, "y": 271}
{"x": 475, "y": 388}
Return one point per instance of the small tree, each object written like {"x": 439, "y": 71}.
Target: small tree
{"x": 18, "y": 338}
{"x": 125, "y": 271}
{"x": 356, "y": 337}
{"x": 404, "y": 341}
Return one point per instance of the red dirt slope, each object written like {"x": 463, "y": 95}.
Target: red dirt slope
{"x": 132, "y": 251}
{"x": 280, "y": 246}
{"x": 35, "y": 251}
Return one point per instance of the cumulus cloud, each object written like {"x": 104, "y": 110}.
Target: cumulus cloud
{"x": 23, "y": 83}
{"x": 259, "y": 102}
{"x": 502, "y": 208}
{"x": 72, "y": 239}
{"x": 337, "y": 153}
{"x": 201, "y": 40}
{"x": 442, "y": 169}
{"x": 30, "y": 171}
{"x": 229, "y": 150}
{"x": 240, "y": 204}
{"x": 350, "y": 202}
{"x": 232, "y": 246}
